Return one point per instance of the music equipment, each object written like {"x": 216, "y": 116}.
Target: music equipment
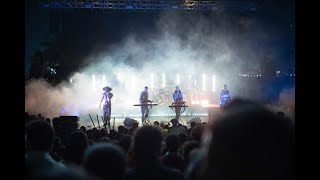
{"x": 178, "y": 106}
{"x": 145, "y": 104}
{"x": 128, "y": 122}
{"x": 92, "y": 121}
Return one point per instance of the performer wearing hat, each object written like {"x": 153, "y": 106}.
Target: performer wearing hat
{"x": 106, "y": 96}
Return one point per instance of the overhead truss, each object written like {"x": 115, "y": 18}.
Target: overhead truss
{"x": 151, "y": 5}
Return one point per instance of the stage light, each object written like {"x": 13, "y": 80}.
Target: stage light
{"x": 204, "y": 102}
{"x": 178, "y": 79}
{"x": 163, "y": 80}
{"x": 204, "y": 82}
{"x": 214, "y": 83}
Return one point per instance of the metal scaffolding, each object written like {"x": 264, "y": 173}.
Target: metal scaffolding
{"x": 166, "y": 5}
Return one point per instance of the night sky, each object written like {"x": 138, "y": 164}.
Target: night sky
{"x": 84, "y": 32}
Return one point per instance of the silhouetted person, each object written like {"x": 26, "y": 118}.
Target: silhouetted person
{"x": 173, "y": 158}
{"x": 125, "y": 142}
{"x": 77, "y": 144}
{"x": 174, "y": 128}
{"x": 224, "y": 96}
{"x": 105, "y": 161}
{"x": 83, "y": 128}
{"x": 197, "y": 132}
{"x": 146, "y": 149}
{"x": 106, "y": 99}
{"x": 39, "y": 139}
{"x": 249, "y": 142}
{"x": 187, "y": 148}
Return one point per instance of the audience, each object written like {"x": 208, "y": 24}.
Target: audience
{"x": 245, "y": 141}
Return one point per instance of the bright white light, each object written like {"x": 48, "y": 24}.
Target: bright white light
{"x": 214, "y": 83}
{"x": 163, "y": 80}
{"x": 70, "y": 80}
{"x": 204, "y": 82}
{"x": 178, "y": 79}
{"x": 204, "y": 102}
{"x": 193, "y": 102}
{"x": 152, "y": 78}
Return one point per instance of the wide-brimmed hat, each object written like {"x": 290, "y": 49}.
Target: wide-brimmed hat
{"x": 107, "y": 88}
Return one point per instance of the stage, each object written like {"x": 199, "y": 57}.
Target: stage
{"x": 162, "y": 114}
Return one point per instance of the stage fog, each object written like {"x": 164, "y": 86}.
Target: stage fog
{"x": 198, "y": 53}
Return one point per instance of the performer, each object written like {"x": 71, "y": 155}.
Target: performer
{"x": 177, "y": 99}
{"x": 144, "y": 100}
{"x": 106, "y": 96}
{"x": 224, "y": 96}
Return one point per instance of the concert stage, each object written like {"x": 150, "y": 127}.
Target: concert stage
{"x": 162, "y": 114}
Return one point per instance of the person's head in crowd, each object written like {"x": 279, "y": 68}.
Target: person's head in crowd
{"x": 39, "y": 135}
{"x": 103, "y": 132}
{"x": 193, "y": 124}
{"x": 76, "y": 145}
{"x": 48, "y": 120}
{"x": 104, "y": 140}
{"x": 187, "y": 148}
{"x": 198, "y": 131}
{"x": 83, "y": 128}
{"x": 183, "y": 137}
{"x": 105, "y": 161}
{"x": 126, "y": 131}
{"x": 156, "y": 124}
{"x": 174, "y": 122}
{"x": 96, "y": 134}
{"x": 248, "y": 141}
{"x": 172, "y": 142}
{"x": 121, "y": 129}
{"x": 125, "y": 142}
{"x": 147, "y": 144}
